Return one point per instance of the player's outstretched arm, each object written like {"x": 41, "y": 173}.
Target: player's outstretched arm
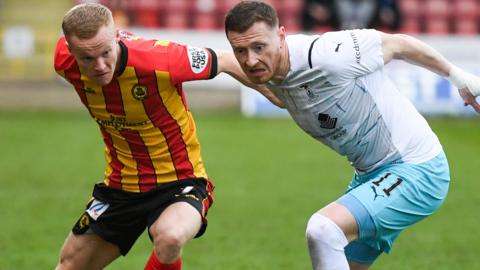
{"x": 228, "y": 63}
{"x": 412, "y": 50}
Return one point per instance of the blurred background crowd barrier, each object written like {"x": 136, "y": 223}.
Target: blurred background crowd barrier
{"x": 29, "y": 30}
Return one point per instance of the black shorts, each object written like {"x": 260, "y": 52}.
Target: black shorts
{"x": 120, "y": 217}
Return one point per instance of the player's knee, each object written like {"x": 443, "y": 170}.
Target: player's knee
{"x": 168, "y": 240}
{"x": 67, "y": 260}
{"x": 321, "y": 229}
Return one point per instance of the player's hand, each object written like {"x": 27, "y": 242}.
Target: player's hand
{"x": 469, "y": 99}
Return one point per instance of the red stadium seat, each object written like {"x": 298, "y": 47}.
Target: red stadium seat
{"x": 410, "y": 25}
{"x": 436, "y": 9}
{"x": 437, "y": 26}
{"x": 206, "y": 21}
{"x": 146, "y": 13}
{"x": 322, "y": 29}
{"x": 410, "y": 8}
{"x": 225, "y": 5}
{"x": 176, "y": 20}
{"x": 465, "y": 8}
{"x": 178, "y": 5}
{"x": 291, "y": 23}
{"x": 465, "y": 26}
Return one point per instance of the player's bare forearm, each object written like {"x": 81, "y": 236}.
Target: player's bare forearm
{"x": 414, "y": 51}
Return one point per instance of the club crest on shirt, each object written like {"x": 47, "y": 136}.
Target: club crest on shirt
{"x": 310, "y": 94}
{"x": 198, "y": 58}
{"x": 139, "y": 92}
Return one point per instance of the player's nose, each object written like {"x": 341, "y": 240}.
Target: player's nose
{"x": 251, "y": 60}
{"x": 99, "y": 64}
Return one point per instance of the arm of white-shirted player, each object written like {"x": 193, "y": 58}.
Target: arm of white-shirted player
{"x": 228, "y": 63}
{"x": 412, "y": 50}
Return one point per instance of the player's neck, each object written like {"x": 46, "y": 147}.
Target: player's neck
{"x": 119, "y": 57}
{"x": 283, "y": 65}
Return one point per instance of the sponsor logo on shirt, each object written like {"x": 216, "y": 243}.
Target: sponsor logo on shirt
{"x": 356, "y": 47}
{"x": 338, "y": 46}
{"x": 119, "y": 122}
{"x": 326, "y": 121}
{"x": 198, "y": 58}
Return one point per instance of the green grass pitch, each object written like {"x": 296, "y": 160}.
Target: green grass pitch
{"x": 269, "y": 176}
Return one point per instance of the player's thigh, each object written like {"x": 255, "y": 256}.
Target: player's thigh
{"x": 342, "y": 217}
{"x": 180, "y": 220}
{"x": 86, "y": 251}
{"x": 357, "y": 266}
{"x": 399, "y": 196}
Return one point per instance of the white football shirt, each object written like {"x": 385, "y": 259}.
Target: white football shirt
{"x": 337, "y": 91}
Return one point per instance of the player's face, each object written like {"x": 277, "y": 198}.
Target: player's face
{"x": 258, "y": 51}
{"x": 97, "y": 56}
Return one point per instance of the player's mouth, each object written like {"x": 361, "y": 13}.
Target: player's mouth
{"x": 100, "y": 75}
{"x": 257, "y": 72}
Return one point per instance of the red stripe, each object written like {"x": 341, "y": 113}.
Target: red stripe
{"x": 162, "y": 119}
{"x": 74, "y": 75}
{"x": 147, "y": 178}
{"x": 113, "y": 98}
{"x": 115, "y": 177}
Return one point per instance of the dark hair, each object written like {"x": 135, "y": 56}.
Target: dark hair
{"x": 244, "y": 14}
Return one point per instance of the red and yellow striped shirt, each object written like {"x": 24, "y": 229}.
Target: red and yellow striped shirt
{"x": 148, "y": 131}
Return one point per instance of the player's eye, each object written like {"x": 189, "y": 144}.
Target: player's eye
{"x": 239, "y": 51}
{"x": 259, "y": 48}
{"x": 106, "y": 53}
{"x": 87, "y": 58}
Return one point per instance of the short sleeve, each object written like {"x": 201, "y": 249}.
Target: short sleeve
{"x": 350, "y": 54}
{"x": 189, "y": 63}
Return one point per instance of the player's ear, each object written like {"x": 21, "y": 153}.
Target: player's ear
{"x": 282, "y": 35}
{"x": 117, "y": 36}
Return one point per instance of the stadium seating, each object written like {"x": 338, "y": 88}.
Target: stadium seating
{"x": 437, "y": 17}
{"x": 464, "y": 17}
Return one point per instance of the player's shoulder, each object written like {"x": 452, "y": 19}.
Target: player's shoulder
{"x": 300, "y": 41}
{"x": 63, "y": 59}
{"x": 138, "y": 42}
{"x": 300, "y": 49}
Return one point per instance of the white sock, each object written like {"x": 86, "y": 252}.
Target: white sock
{"x": 326, "y": 243}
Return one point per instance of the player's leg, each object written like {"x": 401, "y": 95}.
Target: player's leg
{"x": 86, "y": 251}
{"x": 173, "y": 225}
{"x": 178, "y": 223}
{"x": 358, "y": 266}
{"x": 328, "y": 232}
{"x": 390, "y": 200}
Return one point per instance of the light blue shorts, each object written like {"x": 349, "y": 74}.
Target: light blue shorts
{"x": 391, "y": 198}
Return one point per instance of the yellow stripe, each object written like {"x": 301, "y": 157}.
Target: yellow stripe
{"x": 173, "y": 103}
{"x": 61, "y": 73}
{"x": 152, "y": 137}
{"x": 161, "y": 43}
{"x": 108, "y": 168}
